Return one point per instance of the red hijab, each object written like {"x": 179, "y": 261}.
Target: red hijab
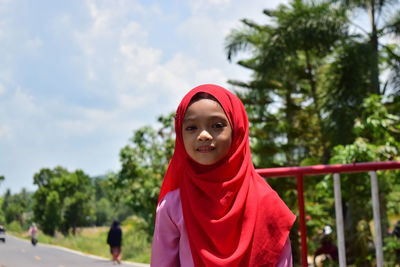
{"x": 232, "y": 216}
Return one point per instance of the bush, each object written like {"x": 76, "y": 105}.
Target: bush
{"x": 391, "y": 250}
{"x": 14, "y": 226}
{"x": 136, "y": 241}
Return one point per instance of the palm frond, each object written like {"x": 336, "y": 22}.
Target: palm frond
{"x": 241, "y": 41}
{"x": 393, "y": 26}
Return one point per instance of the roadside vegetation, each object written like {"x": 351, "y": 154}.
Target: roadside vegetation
{"x": 92, "y": 240}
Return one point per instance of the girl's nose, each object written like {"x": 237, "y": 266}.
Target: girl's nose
{"x": 204, "y": 136}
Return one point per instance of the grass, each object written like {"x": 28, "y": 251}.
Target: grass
{"x": 92, "y": 240}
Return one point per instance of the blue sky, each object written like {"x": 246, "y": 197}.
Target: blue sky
{"x": 77, "y": 77}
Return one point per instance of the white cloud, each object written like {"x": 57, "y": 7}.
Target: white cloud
{"x": 211, "y": 75}
{"x": 130, "y": 61}
{"x": 132, "y": 102}
{"x": 136, "y": 71}
{"x": 114, "y": 46}
{"x": 46, "y": 122}
{"x": 206, "y": 4}
{"x": 138, "y": 59}
{"x": 24, "y": 103}
{"x": 78, "y": 127}
{"x": 122, "y": 64}
{"x": 18, "y": 113}
{"x": 205, "y": 36}
{"x": 133, "y": 32}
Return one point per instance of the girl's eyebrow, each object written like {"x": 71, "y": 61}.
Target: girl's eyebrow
{"x": 219, "y": 117}
{"x": 212, "y": 117}
{"x": 188, "y": 119}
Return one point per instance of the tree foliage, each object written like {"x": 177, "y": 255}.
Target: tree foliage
{"x": 378, "y": 139}
{"x": 143, "y": 164}
{"x": 63, "y": 200}
{"x": 16, "y": 207}
{"x": 285, "y": 98}
{"x": 311, "y": 100}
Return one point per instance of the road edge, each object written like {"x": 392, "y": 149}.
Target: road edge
{"x": 81, "y": 253}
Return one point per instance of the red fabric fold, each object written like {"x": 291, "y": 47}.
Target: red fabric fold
{"x": 232, "y": 216}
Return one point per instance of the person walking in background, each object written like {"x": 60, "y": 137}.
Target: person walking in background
{"x": 33, "y": 231}
{"x": 396, "y": 234}
{"x": 114, "y": 240}
{"x": 213, "y": 208}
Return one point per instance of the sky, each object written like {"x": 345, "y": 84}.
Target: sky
{"x": 78, "y": 77}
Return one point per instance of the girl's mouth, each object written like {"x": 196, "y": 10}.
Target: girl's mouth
{"x": 205, "y": 149}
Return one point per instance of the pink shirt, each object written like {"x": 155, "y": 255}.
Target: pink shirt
{"x": 171, "y": 247}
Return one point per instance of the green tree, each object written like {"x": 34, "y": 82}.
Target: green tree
{"x": 51, "y": 217}
{"x": 63, "y": 201}
{"x": 47, "y": 204}
{"x": 110, "y": 201}
{"x": 105, "y": 209}
{"x": 2, "y": 219}
{"x": 285, "y": 98}
{"x": 78, "y": 201}
{"x": 104, "y": 212}
{"x": 383, "y": 20}
{"x": 311, "y": 74}
{"x": 357, "y": 64}
{"x": 17, "y": 207}
{"x": 144, "y": 162}
{"x": 378, "y": 135}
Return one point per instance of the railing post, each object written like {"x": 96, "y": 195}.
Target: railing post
{"x": 303, "y": 232}
{"x": 377, "y": 218}
{"x": 339, "y": 220}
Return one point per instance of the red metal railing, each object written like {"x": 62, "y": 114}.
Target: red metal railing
{"x": 300, "y": 172}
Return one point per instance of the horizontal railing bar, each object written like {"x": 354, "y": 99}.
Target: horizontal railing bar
{"x": 327, "y": 169}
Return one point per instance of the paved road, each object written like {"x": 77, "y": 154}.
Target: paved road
{"x": 20, "y": 253}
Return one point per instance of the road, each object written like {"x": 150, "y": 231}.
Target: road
{"x": 20, "y": 253}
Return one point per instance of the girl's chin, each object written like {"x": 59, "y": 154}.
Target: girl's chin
{"x": 206, "y": 161}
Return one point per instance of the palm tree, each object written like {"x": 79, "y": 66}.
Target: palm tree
{"x": 384, "y": 20}
{"x": 287, "y": 57}
{"x": 311, "y": 74}
{"x": 284, "y": 99}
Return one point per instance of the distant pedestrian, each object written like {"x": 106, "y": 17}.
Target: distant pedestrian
{"x": 396, "y": 234}
{"x": 396, "y": 230}
{"x": 327, "y": 252}
{"x": 114, "y": 240}
{"x": 33, "y": 231}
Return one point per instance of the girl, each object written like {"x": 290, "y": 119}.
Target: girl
{"x": 213, "y": 208}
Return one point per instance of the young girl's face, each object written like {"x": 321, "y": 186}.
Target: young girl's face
{"x": 207, "y": 134}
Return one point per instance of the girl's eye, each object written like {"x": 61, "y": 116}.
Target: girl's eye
{"x": 219, "y": 125}
{"x": 190, "y": 128}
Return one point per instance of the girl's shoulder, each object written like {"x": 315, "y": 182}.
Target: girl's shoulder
{"x": 172, "y": 198}
{"x": 170, "y": 208}
{"x": 171, "y": 203}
